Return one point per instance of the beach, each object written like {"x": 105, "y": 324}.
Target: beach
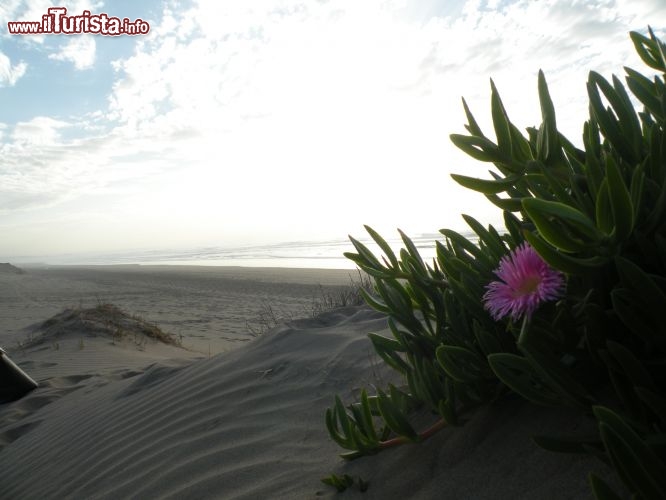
{"x": 225, "y": 412}
{"x": 211, "y": 307}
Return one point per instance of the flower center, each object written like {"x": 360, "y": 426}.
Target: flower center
{"x": 529, "y": 285}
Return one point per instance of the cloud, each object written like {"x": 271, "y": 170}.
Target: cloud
{"x": 79, "y": 50}
{"x": 8, "y": 9}
{"x": 41, "y": 130}
{"x": 213, "y": 65}
{"x": 10, "y": 73}
{"x": 31, "y": 174}
{"x": 48, "y": 163}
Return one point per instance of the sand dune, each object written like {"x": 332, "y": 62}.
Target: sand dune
{"x": 7, "y": 268}
{"x": 188, "y": 431}
{"x": 113, "y": 421}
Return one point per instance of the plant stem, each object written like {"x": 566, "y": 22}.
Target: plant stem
{"x": 524, "y": 330}
{"x": 430, "y": 431}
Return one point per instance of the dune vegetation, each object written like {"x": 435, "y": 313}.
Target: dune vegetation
{"x": 563, "y": 306}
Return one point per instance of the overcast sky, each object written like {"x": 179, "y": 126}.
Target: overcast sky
{"x": 251, "y": 122}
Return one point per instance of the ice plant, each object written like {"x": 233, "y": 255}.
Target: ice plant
{"x": 526, "y": 281}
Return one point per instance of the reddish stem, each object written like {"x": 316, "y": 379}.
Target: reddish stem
{"x": 430, "y": 431}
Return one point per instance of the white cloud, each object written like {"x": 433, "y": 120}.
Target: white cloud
{"x": 353, "y": 74}
{"x": 41, "y": 130}
{"x": 79, "y": 49}
{"x": 8, "y": 9}
{"x": 47, "y": 174}
{"x": 10, "y": 73}
{"x": 217, "y": 64}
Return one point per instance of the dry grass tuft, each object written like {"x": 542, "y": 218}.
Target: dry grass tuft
{"x": 351, "y": 295}
{"x": 103, "y": 320}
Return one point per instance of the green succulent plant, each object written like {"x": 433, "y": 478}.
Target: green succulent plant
{"x": 596, "y": 215}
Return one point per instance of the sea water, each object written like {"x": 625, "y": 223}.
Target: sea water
{"x": 327, "y": 254}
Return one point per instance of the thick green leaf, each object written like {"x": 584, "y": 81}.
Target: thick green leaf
{"x": 632, "y": 458}
{"x": 372, "y": 301}
{"x": 648, "y": 50}
{"x": 517, "y": 373}
{"x": 486, "y": 186}
{"x": 646, "y": 92}
{"x": 562, "y": 226}
{"x": 604, "y": 212}
{"x": 658, "y": 214}
{"x": 428, "y": 381}
{"x": 555, "y": 374}
{"x": 654, "y": 401}
{"x": 612, "y": 127}
{"x": 489, "y": 237}
{"x": 459, "y": 241}
{"x": 447, "y": 412}
{"x": 414, "y": 253}
{"x": 593, "y": 171}
{"x": 547, "y": 139}
{"x": 637, "y": 188}
{"x": 631, "y": 366}
{"x": 629, "y": 122}
{"x": 620, "y": 201}
{"x": 483, "y": 149}
{"x": 574, "y": 217}
{"x": 635, "y": 316}
{"x": 394, "y": 417}
{"x": 562, "y": 262}
{"x": 466, "y": 299}
{"x": 558, "y": 183}
{"x": 640, "y": 282}
{"x": 488, "y": 342}
{"x": 520, "y": 146}
{"x": 340, "y": 483}
{"x": 500, "y": 121}
{"x": 472, "y": 126}
{"x": 365, "y": 254}
{"x": 462, "y": 364}
{"x": 513, "y": 225}
{"x": 381, "y": 242}
{"x": 385, "y": 344}
{"x": 341, "y": 434}
{"x": 601, "y": 490}
{"x": 554, "y": 233}
{"x": 566, "y": 445}
{"x": 506, "y": 204}
{"x": 368, "y": 424}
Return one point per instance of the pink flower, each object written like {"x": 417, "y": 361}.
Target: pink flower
{"x": 526, "y": 282}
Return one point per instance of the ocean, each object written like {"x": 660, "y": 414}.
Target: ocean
{"x": 298, "y": 254}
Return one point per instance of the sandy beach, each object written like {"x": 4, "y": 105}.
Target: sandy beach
{"x": 209, "y": 306}
{"x": 225, "y": 415}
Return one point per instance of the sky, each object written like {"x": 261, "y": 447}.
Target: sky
{"x": 265, "y": 121}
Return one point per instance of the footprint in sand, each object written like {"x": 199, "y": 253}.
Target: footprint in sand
{"x": 13, "y": 433}
{"x": 67, "y": 382}
{"x": 19, "y": 417}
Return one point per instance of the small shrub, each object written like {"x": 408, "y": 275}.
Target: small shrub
{"x": 104, "y": 320}
{"x": 353, "y": 295}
